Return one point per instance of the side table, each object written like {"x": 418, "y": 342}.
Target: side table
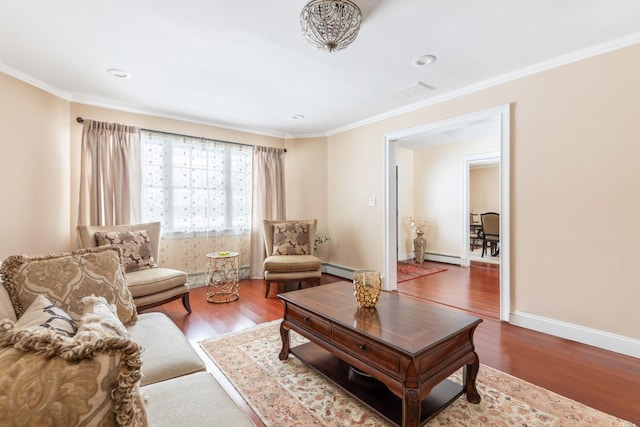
{"x": 222, "y": 277}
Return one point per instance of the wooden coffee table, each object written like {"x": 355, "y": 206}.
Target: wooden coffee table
{"x": 395, "y": 358}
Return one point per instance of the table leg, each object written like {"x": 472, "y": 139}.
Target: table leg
{"x": 470, "y": 373}
{"x": 284, "y": 334}
{"x": 411, "y": 406}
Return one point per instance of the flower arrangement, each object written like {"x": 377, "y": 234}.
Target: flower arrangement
{"x": 319, "y": 241}
{"x": 417, "y": 225}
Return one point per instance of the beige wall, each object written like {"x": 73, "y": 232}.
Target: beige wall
{"x": 34, "y": 170}
{"x": 574, "y": 155}
{"x": 305, "y": 184}
{"x": 430, "y": 189}
{"x": 438, "y": 191}
{"x": 484, "y": 189}
{"x": 406, "y": 198}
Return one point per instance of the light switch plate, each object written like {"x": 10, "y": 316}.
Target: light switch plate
{"x": 372, "y": 201}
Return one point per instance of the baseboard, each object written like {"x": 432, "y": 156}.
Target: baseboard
{"x": 447, "y": 259}
{"x": 339, "y": 271}
{"x": 581, "y": 334}
{"x": 429, "y": 256}
{"x": 199, "y": 279}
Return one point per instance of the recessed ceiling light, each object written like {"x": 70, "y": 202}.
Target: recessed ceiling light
{"x": 121, "y": 74}
{"x": 423, "y": 60}
{"x": 297, "y": 117}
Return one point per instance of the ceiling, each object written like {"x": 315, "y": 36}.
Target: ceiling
{"x": 245, "y": 64}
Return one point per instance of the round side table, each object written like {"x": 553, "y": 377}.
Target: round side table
{"x": 222, "y": 277}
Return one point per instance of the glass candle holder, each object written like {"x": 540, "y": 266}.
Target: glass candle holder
{"x": 366, "y": 287}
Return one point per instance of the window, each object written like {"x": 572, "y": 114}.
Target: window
{"x": 195, "y": 184}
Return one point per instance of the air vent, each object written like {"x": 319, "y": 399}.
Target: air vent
{"x": 416, "y": 89}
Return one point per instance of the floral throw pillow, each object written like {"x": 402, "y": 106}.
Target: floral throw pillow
{"x": 291, "y": 238}
{"x": 135, "y": 245}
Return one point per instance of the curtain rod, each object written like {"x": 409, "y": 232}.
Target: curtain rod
{"x": 81, "y": 120}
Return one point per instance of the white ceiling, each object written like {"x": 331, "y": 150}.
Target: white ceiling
{"x": 244, "y": 64}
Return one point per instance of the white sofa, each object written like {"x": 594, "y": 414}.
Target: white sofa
{"x": 175, "y": 386}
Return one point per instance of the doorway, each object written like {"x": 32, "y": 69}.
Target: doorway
{"x": 392, "y": 222}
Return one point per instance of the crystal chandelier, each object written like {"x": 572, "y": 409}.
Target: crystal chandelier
{"x": 330, "y": 25}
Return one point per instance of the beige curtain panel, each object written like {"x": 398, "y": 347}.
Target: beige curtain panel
{"x": 110, "y": 174}
{"x": 268, "y": 200}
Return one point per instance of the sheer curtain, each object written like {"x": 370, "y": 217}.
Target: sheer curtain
{"x": 200, "y": 190}
{"x": 268, "y": 200}
{"x": 109, "y": 174}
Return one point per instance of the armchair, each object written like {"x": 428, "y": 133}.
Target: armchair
{"x": 289, "y": 246}
{"x": 150, "y": 285}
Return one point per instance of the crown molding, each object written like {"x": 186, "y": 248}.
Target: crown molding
{"x": 576, "y": 56}
{"x": 35, "y": 82}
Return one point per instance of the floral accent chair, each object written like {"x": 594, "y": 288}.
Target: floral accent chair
{"x": 149, "y": 284}
{"x": 290, "y": 247}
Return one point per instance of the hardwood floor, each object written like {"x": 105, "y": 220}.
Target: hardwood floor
{"x": 601, "y": 379}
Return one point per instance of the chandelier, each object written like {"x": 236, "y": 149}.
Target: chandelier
{"x": 330, "y": 25}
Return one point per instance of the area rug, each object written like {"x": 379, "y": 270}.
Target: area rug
{"x": 291, "y": 394}
{"x": 411, "y": 270}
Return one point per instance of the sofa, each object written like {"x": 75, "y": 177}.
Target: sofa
{"x": 74, "y": 351}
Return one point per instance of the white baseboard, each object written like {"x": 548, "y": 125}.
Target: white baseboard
{"x": 428, "y": 256}
{"x": 447, "y": 259}
{"x": 581, "y": 334}
{"x": 336, "y": 270}
{"x": 199, "y": 279}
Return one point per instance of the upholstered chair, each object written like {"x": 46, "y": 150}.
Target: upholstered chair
{"x": 490, "y": 232}
{"x": 290, "y": 246}
{"x": 149, "y": 284}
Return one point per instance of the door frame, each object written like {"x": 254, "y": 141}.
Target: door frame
{"x": 467, "y": 162}
{"x": 390, "y": 196}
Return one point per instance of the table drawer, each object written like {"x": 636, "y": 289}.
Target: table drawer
{"x": 367, "y": 350}
{"x": 308, "y": 321}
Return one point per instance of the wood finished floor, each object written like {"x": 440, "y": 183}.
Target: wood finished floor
{"x": 601, "y": 379}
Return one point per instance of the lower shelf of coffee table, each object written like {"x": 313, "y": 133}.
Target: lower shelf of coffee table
{"x": 370, "y": 391}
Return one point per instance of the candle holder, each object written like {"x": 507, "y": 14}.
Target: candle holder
{"x": 366, "y": 287}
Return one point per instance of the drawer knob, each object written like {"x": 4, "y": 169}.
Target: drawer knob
{"x": 363, "y": 347}
{"x": 307, "y": 319}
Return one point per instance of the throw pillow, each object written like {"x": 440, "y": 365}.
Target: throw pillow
{"x": 42, "y": 313}
{"x": 291, "y": 238}
{"x": 91, "y": 379}
{"x": 136, "y": 247}
{"x": 67, "y": 278}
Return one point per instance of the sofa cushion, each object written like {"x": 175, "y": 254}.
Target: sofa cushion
{"x": 90, "y": 379}
{"x": 154, "y": 280}
{"x": 289, "y": 263}
{"x": 67, "y": 278}
{"x": 6, "y": 307}
{"x": 291, "y": 238}
{"x": 193, "y": 400}
{"x": 135, "y": 245}
{"x": 43, "y": 314}
{"x": 167, "y": 352}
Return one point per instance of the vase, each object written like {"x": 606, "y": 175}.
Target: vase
{"x": 366, "y": 287}
{"x": 419, "y": 244}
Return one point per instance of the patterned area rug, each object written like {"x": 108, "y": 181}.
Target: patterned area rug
{"x": 291, "y": 394}
{"x": 410, "y": 270}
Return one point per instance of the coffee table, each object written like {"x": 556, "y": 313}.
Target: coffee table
{"x": 394, "y": 358}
